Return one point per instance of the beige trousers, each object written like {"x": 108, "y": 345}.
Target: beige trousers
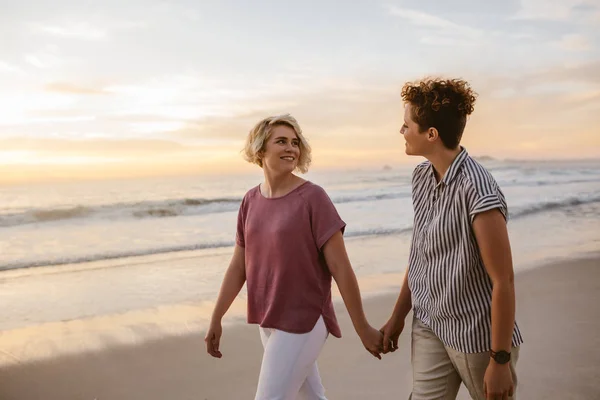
{"x": 439, "y": 370}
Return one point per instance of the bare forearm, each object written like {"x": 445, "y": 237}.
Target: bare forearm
{"x": 503, "y": 315}
{"x": 492, "y": 237}
{"x": 348, "y": 286}
{"x": 404, "y": 302}
{"x": 233, "y": 282}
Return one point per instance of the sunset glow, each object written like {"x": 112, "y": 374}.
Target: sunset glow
{"x": 97, "y": 89}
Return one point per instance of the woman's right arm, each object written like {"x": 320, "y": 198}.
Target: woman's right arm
{"x": 234, "y": 280}
{"x": 395, "y": 325}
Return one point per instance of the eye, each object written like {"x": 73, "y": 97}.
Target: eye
{"x": 280, "y": 141}
{"x": 295, "y": 143}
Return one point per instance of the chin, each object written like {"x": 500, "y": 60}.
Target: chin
{"x": 287, "y": 170}
{"x": 410, "y": 152}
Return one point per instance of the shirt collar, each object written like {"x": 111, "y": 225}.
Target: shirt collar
{"x": 454, "y": 168}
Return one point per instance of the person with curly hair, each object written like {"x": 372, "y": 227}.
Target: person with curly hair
{"x": 289, "y": 245}
{"x": 459, "y": 282}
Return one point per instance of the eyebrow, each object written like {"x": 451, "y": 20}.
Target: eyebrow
{"x": 286, "y": 138}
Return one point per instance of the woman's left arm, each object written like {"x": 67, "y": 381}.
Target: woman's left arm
{"x": 494, "y": 246}
{"x": 339, "y": 265}
{"x": 492, "y": 237}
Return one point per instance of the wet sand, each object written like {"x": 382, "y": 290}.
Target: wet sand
{"x": 557, "y": 308}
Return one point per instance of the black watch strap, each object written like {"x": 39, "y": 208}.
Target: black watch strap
{"x": 501, "y": 357}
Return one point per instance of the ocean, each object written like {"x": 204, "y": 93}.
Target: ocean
{"x": 152, "y": 252}
{"x": 62, "y": 223}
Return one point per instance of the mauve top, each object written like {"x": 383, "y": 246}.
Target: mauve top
{"x": 288, "y": 281}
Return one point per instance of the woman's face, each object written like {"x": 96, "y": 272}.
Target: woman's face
{"x": 416, "y": 141}
{"x": 282, "y": 150}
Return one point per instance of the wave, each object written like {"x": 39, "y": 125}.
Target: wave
{"x": 117, "y": 211}
{"x": 113, "y": 255}
{"x": 553, "y": 205}
{"x": 545, "y": 182}
{"x": 407, "y": 230}
{"x": 153, "y": 209}
{"x": 372, "y": 197}
{"x": 379, "y": 232}
{"x": 54, "y": 215}
{"x": 172, "y": 249}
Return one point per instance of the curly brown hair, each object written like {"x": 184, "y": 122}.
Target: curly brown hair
{"x": 443, "y": 104}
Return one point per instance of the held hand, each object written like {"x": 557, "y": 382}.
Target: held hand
{"x": 498, "y": 382}
{"x": 372, "y": 340}
{"x": 391, "y": 332}
{"x": 213, "y": 338}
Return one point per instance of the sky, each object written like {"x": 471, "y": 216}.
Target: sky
{"x": 146, "y": 87}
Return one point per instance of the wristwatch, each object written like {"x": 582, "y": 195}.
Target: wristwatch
{"x": 501, "y": 357}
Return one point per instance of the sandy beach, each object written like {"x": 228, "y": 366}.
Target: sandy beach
{"x": 557, "y": 311}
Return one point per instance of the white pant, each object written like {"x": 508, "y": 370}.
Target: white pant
{"x": 289, "y": 365}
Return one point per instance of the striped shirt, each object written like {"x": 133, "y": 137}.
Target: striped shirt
{"x": 450, "y": 287}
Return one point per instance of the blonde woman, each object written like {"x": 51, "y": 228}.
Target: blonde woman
{"x": 289, "y": 245}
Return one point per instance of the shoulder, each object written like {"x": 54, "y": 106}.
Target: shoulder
{"x": 250, "y": 195}
{"x": 253, "y": 192}
{"x": 421, "y": 167}
{"x": 311, "y": 190}
{"x": 476, "y": 177}
{"x": 420, "y": 171}
{"x": 313, "y": 194}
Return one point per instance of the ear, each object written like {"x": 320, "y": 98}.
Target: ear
{"x": 432, "y": 134}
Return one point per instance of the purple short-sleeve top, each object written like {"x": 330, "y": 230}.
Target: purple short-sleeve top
{"x": 288, "y": 281}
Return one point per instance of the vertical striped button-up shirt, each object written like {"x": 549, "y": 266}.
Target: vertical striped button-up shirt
{"x": 451, "y": 289}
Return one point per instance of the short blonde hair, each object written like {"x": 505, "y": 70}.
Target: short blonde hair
{"x": 258, "y": 136}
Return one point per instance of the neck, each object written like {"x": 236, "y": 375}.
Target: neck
{"x": 276, "y": 185}
{"x": 441, "y": 160}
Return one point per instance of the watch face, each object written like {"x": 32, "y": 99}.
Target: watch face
{"x": 502, "y": 357}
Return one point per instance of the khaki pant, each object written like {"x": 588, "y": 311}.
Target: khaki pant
{"x": 439, "y": 370}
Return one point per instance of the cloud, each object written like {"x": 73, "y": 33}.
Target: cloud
{"x": 447, "y": 41}
{"x": 43, "y": 60}
{"x": 97, "y": 158}
{"x": 551, "y": 10}
{"x": 154, "y": 127}
{"x": 443, "y": 27}
{"x": 115, "y": 148}
{"x": 70, "y": 88}
{"x": 78, "y": 30}
{"x": 25, "y": 159}
{"x": 342, "y": 115}
{"x": 574, "y": 42}
{"x": 8, "y": 68}
{"x": 552, "y": 100}
{"x": 420, "y": 18}
{"x": 176, "y": 97}
{"x": 347, "y": 114}
{"x": 15, "y": 106}
{"x": 135, "y": 118}
{"x": 587, "y": 73}
{"x": 569, "y": 78}
{"x": 47, "y": 58}
{"x": 97, "y": 28}
{"x": 347, "y": 123}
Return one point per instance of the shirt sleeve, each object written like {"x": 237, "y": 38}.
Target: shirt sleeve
{"x": 324, "y": 218}
{"x": 480, "y": 200}
{"x": 239, "y": 236}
